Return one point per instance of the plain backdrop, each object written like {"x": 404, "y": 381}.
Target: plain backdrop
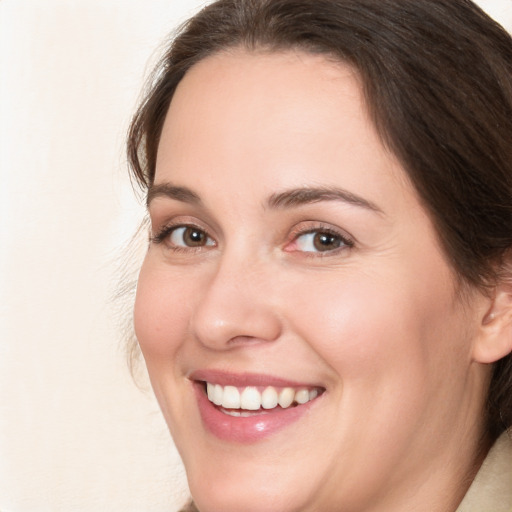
{"x": 76, "y": 433}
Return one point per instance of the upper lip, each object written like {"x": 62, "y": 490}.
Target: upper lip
{"x": 246, "y": 379}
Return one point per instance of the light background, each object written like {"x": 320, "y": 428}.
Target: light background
{"x": 76, "y": 434}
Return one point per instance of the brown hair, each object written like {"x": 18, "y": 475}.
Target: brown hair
{"x": 437, "y": 79}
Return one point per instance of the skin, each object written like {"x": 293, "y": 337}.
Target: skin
{"x": 379, "y": 323}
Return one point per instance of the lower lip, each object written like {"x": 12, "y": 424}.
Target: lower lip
{"x": 249, "y": 429}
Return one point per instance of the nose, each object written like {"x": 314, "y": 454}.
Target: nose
{"x": 236, "y": 307}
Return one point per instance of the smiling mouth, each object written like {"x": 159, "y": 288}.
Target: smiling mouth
{"x": 249, "y": 407}
{"x": 252, "y": 400}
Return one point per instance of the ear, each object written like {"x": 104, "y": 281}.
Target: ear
{"x": 494, "y": 339}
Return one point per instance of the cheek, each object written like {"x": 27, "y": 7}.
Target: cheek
{"x": 395, "y": 354}
{"x": 369, "y": 327}
{"x": 161, "y": 312}
{"x": 161, "y": 319}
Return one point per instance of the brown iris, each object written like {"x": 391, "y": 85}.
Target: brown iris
{"x": 326, "y": 241}
{"x": 193, "y": 237}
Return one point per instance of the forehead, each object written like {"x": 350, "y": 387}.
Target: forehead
{"x": 293, "y": 92}
{"x": 286, "y": 119}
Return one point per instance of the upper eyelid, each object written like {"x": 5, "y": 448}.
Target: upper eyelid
{"x": 322, "y": 230}
{"x": 321, "y": 226}
{"x": 158, "y": 225}
{"x": 348, "y": 241}
{"x": 167, "y": 228}
{"x": 161, "y": 217}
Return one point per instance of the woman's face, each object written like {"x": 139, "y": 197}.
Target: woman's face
{"x": 292, "y": 263}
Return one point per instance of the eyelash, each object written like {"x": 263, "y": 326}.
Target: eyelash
{"x": 167, "y": 230}
{"x": 347, "y": 242}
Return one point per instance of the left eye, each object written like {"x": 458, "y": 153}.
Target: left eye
{"x": 189, "y": 236}
{"x": 319, "y": 241}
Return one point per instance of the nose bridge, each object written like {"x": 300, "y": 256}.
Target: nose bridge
{"x": 236, "y": 304}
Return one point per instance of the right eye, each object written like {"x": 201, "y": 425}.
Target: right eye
{"x": 184, "y": 237}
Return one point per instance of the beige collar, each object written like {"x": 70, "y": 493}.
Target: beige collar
{"x": 491, "y": 491}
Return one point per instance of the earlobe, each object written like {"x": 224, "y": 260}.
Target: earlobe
{"x": 494, "y": 340}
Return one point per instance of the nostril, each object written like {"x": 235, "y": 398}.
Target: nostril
{"x": 245, "y": 340}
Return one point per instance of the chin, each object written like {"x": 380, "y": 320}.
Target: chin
{"x": 246, "y": 495}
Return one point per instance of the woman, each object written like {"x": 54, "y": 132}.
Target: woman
{"x": 325, "y": 308}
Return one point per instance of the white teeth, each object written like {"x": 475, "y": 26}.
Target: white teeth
{"x": 209, "y": 391}
{"x": 218, "y": 393}
{"x": 233, "y": 413}
{"x": 269, "y": 398}
{"x": 231, "y": 398}
{"x": 250, "y": 399}
{"x": 286, "y": 397}
{"x": 302, "y": 396}
{"x": 238, "y": 414}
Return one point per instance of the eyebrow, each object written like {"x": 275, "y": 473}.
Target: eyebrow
{"x": 286, "y": 199}
{"x": 171, "y": 191}
{"x": 308, "y": 195}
